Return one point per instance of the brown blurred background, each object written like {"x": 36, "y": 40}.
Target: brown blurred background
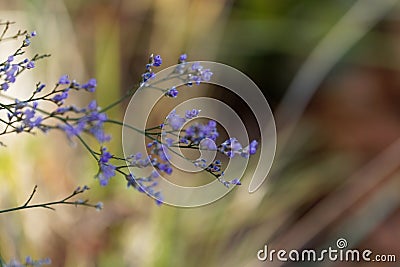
{"x": 329, "y": 70}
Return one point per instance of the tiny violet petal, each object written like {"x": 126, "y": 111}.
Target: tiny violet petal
{"x": 236, "y": 181}
{"x": 99, "y": 206}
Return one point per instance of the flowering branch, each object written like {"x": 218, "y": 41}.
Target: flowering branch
{"x": 64, "y": 201}
{"x": 28, "y": 116}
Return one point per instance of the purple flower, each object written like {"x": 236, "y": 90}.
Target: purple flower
{"x": 81, "y": 189}
{"x": 39, "y": 87}
{"x": 92, "y": 122}
{"x": 230, "y": 154}
{"x": 212, "y": 123}
{"x": 198, "y": 74}
{"x": 106, "y": 172}
{"x": 159, "y": 198}
{"x": 30, "y": 262}
{"x": 59, "y": 98}
{"x": 206, "y": 75}
{"x": 61, "y": 110}
{"x": 175, "y": 121}
{"x": 98, "y": 132}
{"x": 64, "y": 80}
{"x": 5, "y": 86}
{"x": 136, "y": 160}
{"x": 231, "y": 147}
{"x": 196, "y": 66}
{"x": 29, "y": 119}
{"x": 10, "y": 59}
{"x": 146, "y": 185}
{"x": 235, "y": 145}
{"x": 196, "y": 79}
{"x": 182, "y": 58}
{"x": 253, "y": 147}
{"x": 30, "y": 65}
{"x": 26, "y": 42}
{"x": 172, "y": 92}
{"x": 92, "y": 105}
{"x": 190, "y": 114}
{"x": 157, "y": 61}
{"x": 198, "y": 133}
{"x": 208, "y": 144}
{"x": 95, "y": 117}
{"x": 131, "y": 180}
{"x": 99, "y": 206}
{"x": 180, "y": 68}
{"x": 106, "y": 169}
{"x": 169, "y": 141}
{"x": 90, "y": 86}
{"x": 10, "y": 74}
{"x": 70, "y": 130}
{"x": 36, "y": 122}
{"x": 215, "y": 169}
{"x": 165, "y": 168}
{"x": 147, "y": 76}
{"x": 160, "y": 150}
{"x": 200, "y": 163}
{"x": 235, "y": 181}
{"x": 105, "y": 155}
{"x": 155, "y": 174}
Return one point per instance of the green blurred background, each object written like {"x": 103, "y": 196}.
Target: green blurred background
{"x": 330, "y": 71}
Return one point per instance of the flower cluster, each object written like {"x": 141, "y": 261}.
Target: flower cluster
{"x": 159, "y": 151}
{"x": 231, "y": 147}
{"x": 28, "y": 115}
{"x": 216, "y": 170}
{"x": 172, "y": 92}
{"x": 106, "y": 169}
{"x": 91, "y": 122}
{"x": 190, "y": 74}
{"x": 201, "y": 136}
{"x": 32, "y": 115}
{"x": 146, "y": 185}
{"x": 175, "y": 120}
{"x": 154, "y": 61}
{"x": 199, "y": 74}
{"x": 23, "y": 117}
{"x": 12, "y": 67}
{"x": 28, "y": 262}
{"x": 194, "y": 72}
{"x": 76, "y": 122}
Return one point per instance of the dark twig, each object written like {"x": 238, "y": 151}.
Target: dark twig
{"x": 64, "y": 201}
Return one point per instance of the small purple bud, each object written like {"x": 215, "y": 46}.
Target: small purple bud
{"x": 182, "y": 58}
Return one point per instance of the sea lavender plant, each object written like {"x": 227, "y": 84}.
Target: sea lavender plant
{"x": 28, "y": 116}
{"x": 82, "y": 123}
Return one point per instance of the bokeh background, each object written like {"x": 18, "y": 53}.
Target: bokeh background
{"x": 330, "y": 71}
